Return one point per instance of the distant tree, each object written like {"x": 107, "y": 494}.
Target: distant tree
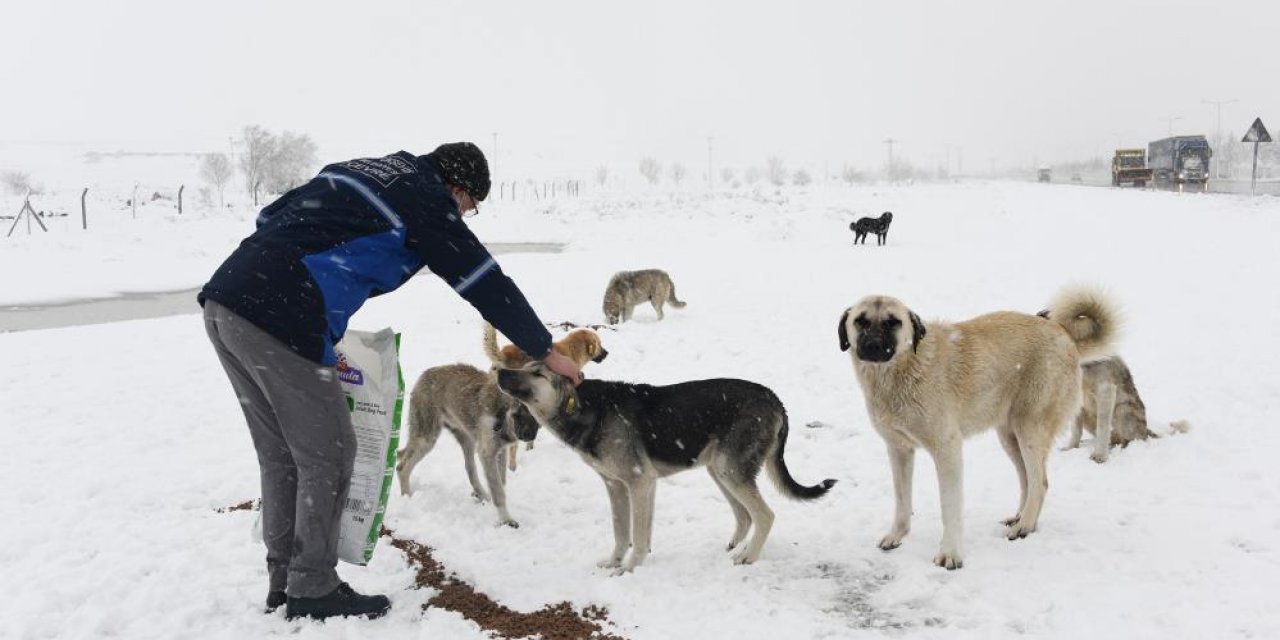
{"x": 1227, "y": 154}
{"x": 1268, "y": 159}
{"x": 726, "y": 175}
{"x": 215, "y": 168}
{"x": 901, "y": 170}
{"x": 677, "y": 172}
{"x": 753, "y": 175}
{"x": 259, "y": 147}
{"x": 16, "y": 182}
{"x": 776, "y": 171}
{"x": 651, "y": 169}
{"x": 851, "y": 175}
{"x": 801, "y": 178}
{"x": 291, "y": 163}
{"x": 602, "y": 175}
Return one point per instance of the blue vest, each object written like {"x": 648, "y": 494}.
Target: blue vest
{"x": 357, "y": 230}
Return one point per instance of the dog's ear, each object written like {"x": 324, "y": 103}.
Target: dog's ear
{"x": 843, "y": 332}
{"x": 917, "y": 330}
{"x": 1044, "y": 313}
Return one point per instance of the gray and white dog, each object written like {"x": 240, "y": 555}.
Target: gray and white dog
{"x": 466, "y": 401}
{"x": 627, "y": 289}
{"x": 1112, "y": 409}
{"x": 633, "y": 434}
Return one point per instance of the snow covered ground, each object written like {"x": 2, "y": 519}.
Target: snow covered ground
{"x": 122, "y": 440}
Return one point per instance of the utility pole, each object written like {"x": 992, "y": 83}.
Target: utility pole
{"x": 1219, "y": 104}
{"x": 1171, "y": 119}
{"x": 1218, "y": 131}
{"x": 889, "y": 170}
{"x": 711, "y": 177}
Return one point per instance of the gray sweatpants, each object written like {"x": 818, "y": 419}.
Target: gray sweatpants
{"x": 301, "y": 427}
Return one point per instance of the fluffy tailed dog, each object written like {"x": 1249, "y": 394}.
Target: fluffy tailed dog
{"x": 878, "y": 226}
{"x": 627, "y": 289}
{"x": 930, "y": 385}
{"x": 581, "y": 345}
{"x": 467, "y": 402}
{"x": 633, "y": 434}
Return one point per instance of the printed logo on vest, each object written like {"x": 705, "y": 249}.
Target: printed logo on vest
{"x": 348, "y": 373}
{"x": 384, "y": 171}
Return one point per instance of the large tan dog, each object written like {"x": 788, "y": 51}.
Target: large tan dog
{"x": 581, "y": 346}
{"x": 932, "y": 384}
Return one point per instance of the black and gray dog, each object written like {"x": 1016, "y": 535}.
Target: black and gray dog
{"x": 633, "y": 434}
{"x": 878, "y": 226}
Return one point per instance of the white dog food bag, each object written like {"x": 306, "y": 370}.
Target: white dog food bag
{"x": 369, "y": 368}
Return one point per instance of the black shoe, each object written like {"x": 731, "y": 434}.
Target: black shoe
{"x": 275, "y": 600}
{"x": 342, "y": 601}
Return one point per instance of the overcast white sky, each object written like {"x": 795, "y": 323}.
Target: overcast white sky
{"x": 571, "y": 85}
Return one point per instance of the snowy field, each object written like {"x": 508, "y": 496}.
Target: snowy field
{"x": 123, "y": 440}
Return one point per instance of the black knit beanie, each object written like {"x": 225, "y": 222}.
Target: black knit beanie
{"x": 462, "y": 164}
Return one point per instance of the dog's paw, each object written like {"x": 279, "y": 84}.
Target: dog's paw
{"x": 509, "y": 523}
{"x": 1009, "y": 522}
{"x": 892, "y": 541}
{"x": 610, "y": 563}
{"x": 1099, "y": 456}
{"x": 621, "y": 571}
{"x": 949, "y": 561}
{"x": 744, "y": 557}
{"x": 480, "y": 497}
{"x": 1019, "y": 530}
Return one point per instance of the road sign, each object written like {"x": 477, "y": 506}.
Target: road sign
{"x": 1257, "y": 132}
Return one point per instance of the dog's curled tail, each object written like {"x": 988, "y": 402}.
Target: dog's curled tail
{"x": 491, "y": 345}
{"x": 673, "y": 300}
{"x": 781, "y": 476}
{"x": 1089, "y": 318}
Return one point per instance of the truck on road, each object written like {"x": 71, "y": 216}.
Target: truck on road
{"x": 1129, "y": 166}
{"x": 1180, "y": 161}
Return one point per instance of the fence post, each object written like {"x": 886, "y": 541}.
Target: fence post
{"x": 134, "y": 202}
{"x": 180, "y": 198}
{"x": 84, "y": 212}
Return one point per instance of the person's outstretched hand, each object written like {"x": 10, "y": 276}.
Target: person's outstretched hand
{"x": 564, "y": 365}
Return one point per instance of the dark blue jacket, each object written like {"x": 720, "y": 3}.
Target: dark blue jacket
{"x": 357, "y": 230}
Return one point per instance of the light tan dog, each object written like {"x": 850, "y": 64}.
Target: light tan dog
{"x": 467, "y": 402}
{"x": 626, "y": 289}
{"x": 930, "y": 385}
{"x": 580, "y": 345}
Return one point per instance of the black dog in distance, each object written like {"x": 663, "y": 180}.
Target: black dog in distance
{"x": 878, "y": 226}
